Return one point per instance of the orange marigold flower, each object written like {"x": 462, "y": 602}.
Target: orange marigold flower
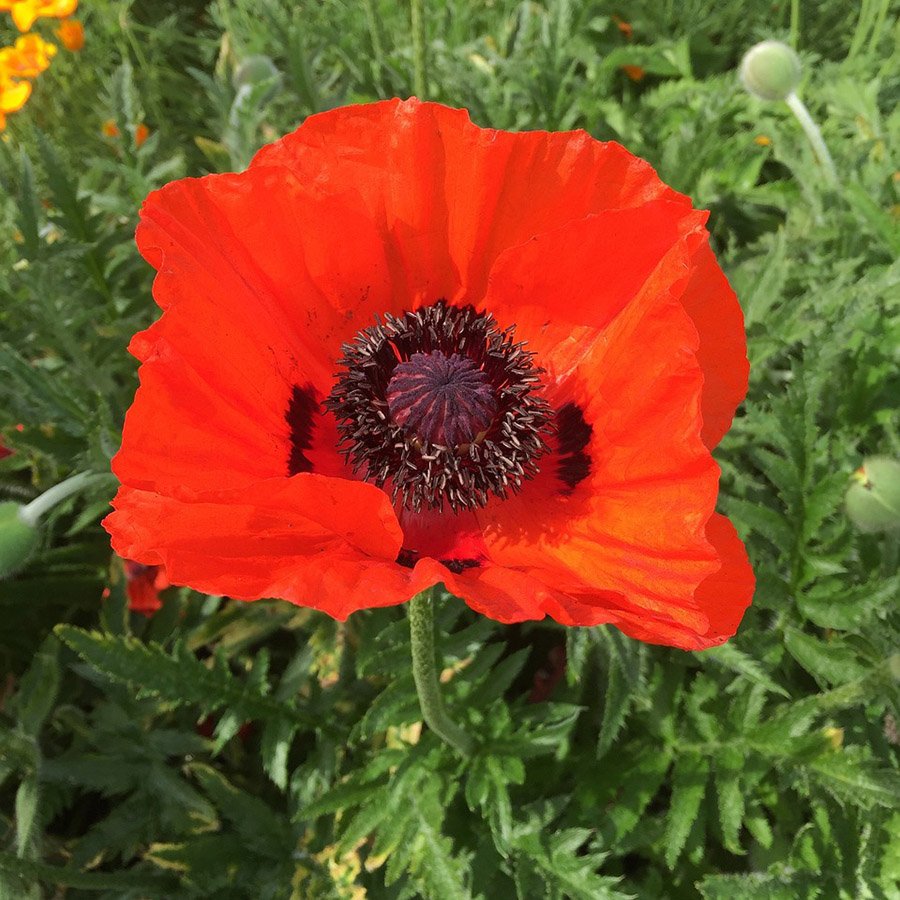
{"x": 635, "y": 73}
{"x": 141, "y": 133}
{"x": 28, "y": 57}
{"x": 26, "y": 12}
{"x": 624, "y": 27}
{"x": 762, "y": 140}
{"x": 110, "y": 129}
{"x": 71, "y": 33}
{"x": 401, "y": 350}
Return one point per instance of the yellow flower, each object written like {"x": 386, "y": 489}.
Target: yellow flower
{"x": 25, "y": 12}
{"x": 71, "y": 33}
{"x": 762, "y": 140}
{"x": 13, "y": 95}
{"x": 110, "y": 129}
{"x": 28, "y": 58}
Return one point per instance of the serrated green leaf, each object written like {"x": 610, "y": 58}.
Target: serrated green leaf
{"x": 760, "y": 886}
{"x": 29, "y": 209}
{"x": 689, "y": 781}
{"x": 154, "y": 885}
{"x": 179, "y": 679}
{"x": 730, "y": 657}
{"x": 257, "y": 824}
{"x": 578, "y": 644}
{"x": 854, "y": 779}
{"x": 39, "y": 687}
{"x": 275, "y": 745}
{"x": 617, "y": 702}
{"x": 832, "y": 605}
{"x": 834, "y": 662}
{"x": 364, "y": 821}
{"x": 397, "y": 704}
{"x": 27, "y": 812}
{"x": 728, "y": 767}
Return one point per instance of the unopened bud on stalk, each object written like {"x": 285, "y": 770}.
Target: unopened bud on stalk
{"x": 19, "y": 531}
{"x": 771, "y": 70}
{"x": 254, "y": 69}
{"x": 873, "y": 499}
{"x": 18, "y": 537}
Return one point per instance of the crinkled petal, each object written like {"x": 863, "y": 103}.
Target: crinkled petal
{"x": 717, "y": 316}
{"x": 249, "y": 321}
{"x": 450, "y": 196}
{"x": 634, "y": 525}
{"x": 322, "y": 542}
{"x": 723, "y": 596}
{"x": 563, "y": 287}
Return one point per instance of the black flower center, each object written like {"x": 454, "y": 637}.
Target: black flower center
{"x": 441, "y": 405}
{"x": 446, "y": 400}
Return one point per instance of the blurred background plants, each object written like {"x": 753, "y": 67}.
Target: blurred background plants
{"x": 216, "y": 748}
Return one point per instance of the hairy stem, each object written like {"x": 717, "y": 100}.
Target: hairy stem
{"x": 420, "y": 81}
{"x": 31, "y": 513}
{"x": 425, "y": 673}
{"x": 797, "y": 107}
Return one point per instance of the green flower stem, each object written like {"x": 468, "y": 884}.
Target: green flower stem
{"x": 374, "y": 23}
{"x": 32, "y": 513}
{"x": 420, "y": 81}
{"x": 797, "y": 107}
{"x": 425, "y": 674}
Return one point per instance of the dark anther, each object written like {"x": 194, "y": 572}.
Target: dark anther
{"x": 409, "y": 558}
{"x": 458, "y": 566}
{"x": 573, "y": 434}
{"x": 299, "y": 416}
{"x": 441, "y": 405}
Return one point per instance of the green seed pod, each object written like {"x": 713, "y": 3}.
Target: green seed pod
{"x": 18, "y": 538}
{"x": 254, "y": 69}
{"x": 770, "y": 70}
{"x": 873, "y": 499}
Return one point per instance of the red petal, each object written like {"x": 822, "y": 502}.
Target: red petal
{"x": 712, "y": 304}
{"x": 723, "y": 596}
{"x": 290, "y": 538}
{"x": 562, "y": 287}
{"x": 451, "y": 196}
{"x": 279, "y": 290}
{"x": 520, "y": 594}
{"x": 247, "y": 319}
{"x": 635, "y": 529}
{"x": 142, "y": 590}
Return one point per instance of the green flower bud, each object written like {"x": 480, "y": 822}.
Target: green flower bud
{"x": 254, "y": 69}
{"x": 894, "y": 665}
{"x": 770, "y": 70}
{"x": 18, "y": 538}
{"x": 873, "y": 499}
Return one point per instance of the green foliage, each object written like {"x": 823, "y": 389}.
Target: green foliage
{"x": 259, "y": 750}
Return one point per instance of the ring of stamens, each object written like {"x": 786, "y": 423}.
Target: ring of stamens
{"x": 442, "y": 406}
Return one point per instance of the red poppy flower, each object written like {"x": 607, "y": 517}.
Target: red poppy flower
{"x": 143, "y": 584}
{"x": 400, "y": 350}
